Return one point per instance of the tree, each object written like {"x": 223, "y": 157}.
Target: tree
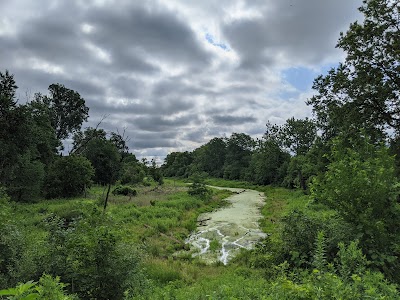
{"x": 132, "y": 171}
{"x": 298, "y": 135}
{"x": 360, "y": 184}
{"x": 177, "y": 164}
{"x": 210, "y": 157}
{"x": 7, "y": 92}
{"x": 67, "y": 110}
{"x": 239, "y": 148}
{"x": 268, "y": 164}
{"x": 68, "y": 176}
{"x": 364, "y": 90}
{"x": 81, "y": 139}
{"x": 90, "y": 258}
{"x": 120, "y": 143}
{"x": 27, "y": 143}
{"x": 105, "y": 160}
{"x": 26, "y": 178}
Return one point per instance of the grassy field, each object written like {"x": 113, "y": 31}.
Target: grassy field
{"x": 157, "y": 221}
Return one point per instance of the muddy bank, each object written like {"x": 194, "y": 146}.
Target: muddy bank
{"x": 222, "y": 233}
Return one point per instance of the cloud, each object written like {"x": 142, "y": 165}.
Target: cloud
{"x": 232, "y": 120}
{"x": 290, "y": 33}
{"x": 175, "y": 73}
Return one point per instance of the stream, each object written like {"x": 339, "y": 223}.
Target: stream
{"x": 222, "y": 233}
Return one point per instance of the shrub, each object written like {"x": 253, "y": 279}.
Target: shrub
{"x": 88, "y": 256}
{"x": 124, "y": 190}
{"x": 199, "y": 189}
{"x": 68, "y": 177}
{"x": 360, "y": 184}
{"x": 48, "y": 288}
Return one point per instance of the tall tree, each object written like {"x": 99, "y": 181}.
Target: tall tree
{"x": 210, "y": 157}
{"x": 7, "y": 92}
{"x": 27, "y": 143}
{"x": 364, "y": 90}
{"x": 81, "y": 139}
{"x": 239, "y": 148}
{"x": 298, "y": 135}
{"x": 67, "y": 110}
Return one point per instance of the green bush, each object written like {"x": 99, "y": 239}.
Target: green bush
{"x": 200, "y": 190}
{"x": 88, "y": 257}
{"x": 360, "y": 184}
{"x": 48, "y": 288}
{"x": 124, "y": 190}
{"x": 300, "y": 229}
{"x": 68, "y": 176}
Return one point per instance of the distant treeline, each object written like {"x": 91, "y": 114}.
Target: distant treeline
{"x": 286, "y": 155}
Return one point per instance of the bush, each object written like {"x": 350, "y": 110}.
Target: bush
{"x": 68, "y": 177}
{"x": 199, "y": 189}
{"x": 49, "y": 288}
{"x": 300, "y": 230}
{"x": 360, "y": 184}
{"x": 88, "y": 257}
{"x": 124, "y": 190}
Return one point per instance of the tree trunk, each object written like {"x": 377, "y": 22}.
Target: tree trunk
{"x": 106, "y": 200}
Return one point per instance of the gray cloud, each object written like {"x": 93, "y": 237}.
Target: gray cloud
{"x": 290, "y": 31}
{"x": 232, "y": 120}
{"x": 149, "y": 67}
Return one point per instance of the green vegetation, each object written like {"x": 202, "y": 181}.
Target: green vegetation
{"x": 331, "y": 185}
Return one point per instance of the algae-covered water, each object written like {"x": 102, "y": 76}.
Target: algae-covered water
{"x": 222, "y": 233}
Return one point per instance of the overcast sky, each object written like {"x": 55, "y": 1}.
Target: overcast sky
{"x": 176, "y": 73}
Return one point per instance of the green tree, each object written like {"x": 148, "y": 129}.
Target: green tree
{"x": 67, "y": 110}
{"x": 26, "y": 144}
{"x": 363, "y": 91}
{"x": 132, "y": 172}
{"x": 268, "y": 164}
{"x": 89, "y": 257}
{"x": 360, "y": 184}
{"x": 177, "y": 164}
{"x": 210, "y": 157}
{"x": 68, "y": 176}
{"x": 26, "y": 178}
{"x": 298, "y": 135}
{"x": 81, "y": 139}
{"x": 7, "y": 92}
{"x": 105, "y": 160}
{"x": 239, "y": 148}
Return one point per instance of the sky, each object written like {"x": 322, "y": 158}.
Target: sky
{"x": 174, "y": 74}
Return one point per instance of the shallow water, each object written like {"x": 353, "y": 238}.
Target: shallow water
{"x": 234, "y": 227}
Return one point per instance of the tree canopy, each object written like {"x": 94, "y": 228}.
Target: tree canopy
{"x": 364, "y": 90}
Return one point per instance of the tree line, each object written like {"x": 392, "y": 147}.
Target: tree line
{"x": 31, "y": 143}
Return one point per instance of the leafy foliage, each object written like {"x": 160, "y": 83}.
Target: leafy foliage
{"x": 48, "y": 288}
{"x": 66, "y": 108}
{"x": 105, "y": 160}
{"x": 68, "y": 176}
{"x": 124, "y": 190}
{"x": 363, "y": 91}
{"x": 87, "y": 256}
{"x": 361, "y": 186}
{"x": 199, "y": 189}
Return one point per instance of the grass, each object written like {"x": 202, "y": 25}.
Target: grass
{"x": 278, "y": 203}
{"x": 157, "y": 221}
